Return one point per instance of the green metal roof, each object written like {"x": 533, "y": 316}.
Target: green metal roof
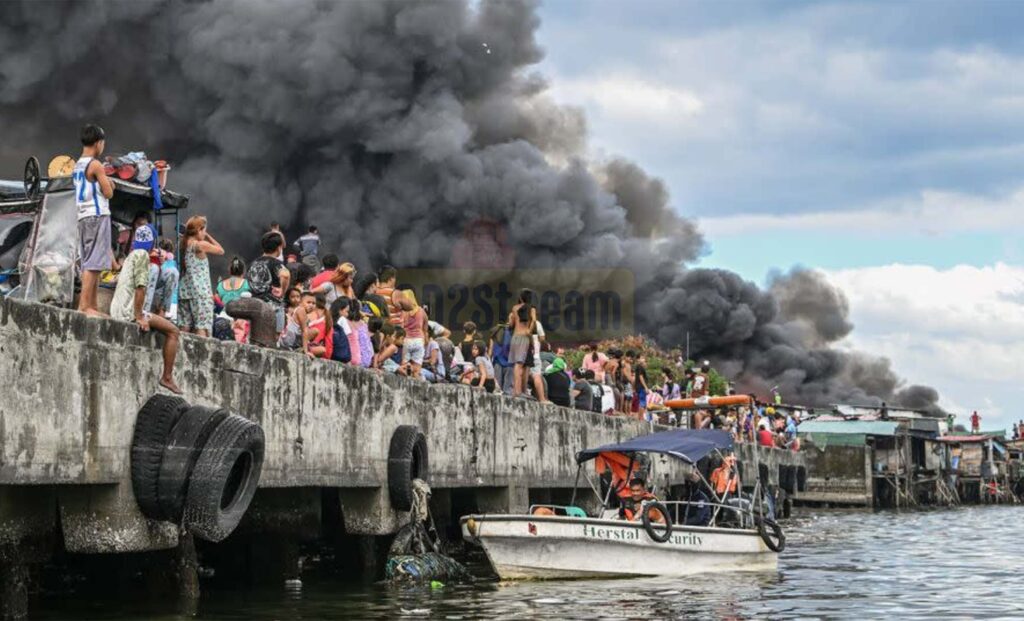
{"x": 850, "y": 427}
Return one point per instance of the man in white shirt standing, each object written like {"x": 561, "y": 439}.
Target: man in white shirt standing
{"x": 93, "y": 190}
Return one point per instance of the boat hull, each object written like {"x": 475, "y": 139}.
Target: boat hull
{"x": 551, "y": 547}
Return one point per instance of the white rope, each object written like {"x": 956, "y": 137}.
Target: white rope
{"x": 420, "y": 500}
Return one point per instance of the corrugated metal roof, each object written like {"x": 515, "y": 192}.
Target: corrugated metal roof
{"x": 965, "y": 439}
{"x": 856, "y": 427}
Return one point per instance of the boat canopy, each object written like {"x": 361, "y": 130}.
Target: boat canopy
{"x": 689, "y": 445}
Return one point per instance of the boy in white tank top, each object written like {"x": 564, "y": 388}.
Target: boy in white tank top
{"x": 93, "y": 190}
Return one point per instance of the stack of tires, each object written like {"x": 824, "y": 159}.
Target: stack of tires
{"x": 195, "y": 466}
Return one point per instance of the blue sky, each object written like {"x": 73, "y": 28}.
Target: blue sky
{"x": 882, "y": 143}
{"x": 782, "y": 108}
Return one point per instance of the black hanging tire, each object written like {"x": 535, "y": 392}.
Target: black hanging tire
{"x": 407, "y": 460}
{"x": 764, "y": 525}
{"x": 663, "y": 535}
{"x": 153, "y": 425}
{"x": 224, "y": 479}
{"x": 32, "y": 179}
{"x": 184, "y": 445}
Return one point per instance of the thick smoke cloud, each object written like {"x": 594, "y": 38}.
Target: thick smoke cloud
{"x": 394, "y": 126}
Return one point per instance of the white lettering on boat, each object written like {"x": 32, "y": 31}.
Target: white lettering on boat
{"x": 633, "y": 534}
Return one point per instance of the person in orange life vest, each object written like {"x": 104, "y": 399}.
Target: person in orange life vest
{"x": 725, "y": 479}
{"x": 631, "y": 505}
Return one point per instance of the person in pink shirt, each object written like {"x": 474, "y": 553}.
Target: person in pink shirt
{"x": 414, "y": 320}
{"x": 595, "y": 361}
{"x": 355, "y": 321}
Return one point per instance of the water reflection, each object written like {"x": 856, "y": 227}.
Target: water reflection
{"x": 963, "y": 563}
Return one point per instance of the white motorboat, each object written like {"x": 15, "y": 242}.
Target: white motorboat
{"x": 736, "y": 533}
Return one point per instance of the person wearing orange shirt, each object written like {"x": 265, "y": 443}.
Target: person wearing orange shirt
{"x": 725, "y": 479}
{"x": 632, "y": 504}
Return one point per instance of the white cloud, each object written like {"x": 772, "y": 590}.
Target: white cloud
{"x": 960, "y": 330}
{"x": 629, "y": 97}
{"x": 933, "y": 212}
{"x": 816, "y": 108}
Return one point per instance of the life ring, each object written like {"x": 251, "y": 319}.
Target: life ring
{"x": 663, "y": 535}
{"x": 776, "y": 539}
{"x": 407, "y": 460}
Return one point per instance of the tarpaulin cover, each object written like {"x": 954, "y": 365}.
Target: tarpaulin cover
{"x": 47, "y": 261}
{"x": 690, "y": 445}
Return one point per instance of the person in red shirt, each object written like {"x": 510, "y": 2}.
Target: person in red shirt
{"x": 330, "y": 263}
{"x": 975, "y": 422}
{"x": 764, "y": 436}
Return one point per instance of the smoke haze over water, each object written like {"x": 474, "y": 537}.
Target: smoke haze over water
{"x": 393, "y": 126}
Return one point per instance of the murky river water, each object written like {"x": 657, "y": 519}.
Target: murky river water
{"x": 966, "y": 563}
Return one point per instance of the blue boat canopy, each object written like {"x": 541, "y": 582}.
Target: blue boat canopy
{"x": 689, "y": 445}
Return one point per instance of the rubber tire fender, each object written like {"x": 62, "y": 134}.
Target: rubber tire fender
{"x": 408, "y": 459}
{"x": 660, "y": 536}
{"x": 224, "y": 479}
{"x": 153, "y": 425}
{"x": 184, "y": 445}
{"x": 801, "y": 478}
{"x": 763, "y": 526}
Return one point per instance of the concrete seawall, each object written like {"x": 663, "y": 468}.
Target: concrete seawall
{"x": 73, "y": 385}
{"x": 71, "y": 388}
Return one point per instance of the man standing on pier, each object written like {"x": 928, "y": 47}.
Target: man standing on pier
{"x": 93, "y": 190}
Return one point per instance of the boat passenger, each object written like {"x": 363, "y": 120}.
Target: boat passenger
{"x": 631, "y": 505}
{"x": 698, "y": 507}
{"x": 725, "y": 479}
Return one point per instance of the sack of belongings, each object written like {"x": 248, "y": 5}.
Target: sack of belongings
{"x": 134, "y": 166}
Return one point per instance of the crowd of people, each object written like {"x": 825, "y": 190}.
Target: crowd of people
{"x": 325, "y": 309}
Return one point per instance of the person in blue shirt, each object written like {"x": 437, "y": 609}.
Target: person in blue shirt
{"x": 791, "y": 423}
{"x": 698, "y": 509}
{"x": 501, "y": 340}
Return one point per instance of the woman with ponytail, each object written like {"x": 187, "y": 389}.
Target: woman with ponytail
{"x": 235, "y": 285}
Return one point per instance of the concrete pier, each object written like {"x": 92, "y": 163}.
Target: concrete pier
{"x": 72, "y": 387}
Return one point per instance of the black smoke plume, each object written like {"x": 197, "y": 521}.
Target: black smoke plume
{"x": 393, "y": 126}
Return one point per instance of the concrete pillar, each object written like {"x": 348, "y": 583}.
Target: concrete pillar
{"x": 186, "y": 573}
{"x": 274, "y": 559}
{"x": 13, "y": 585}
{"x": 369, "y": 551}
{"x": 511, "y": 499}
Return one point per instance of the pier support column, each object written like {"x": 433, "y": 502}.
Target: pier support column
{"x": 186, "y": 573}
{"x": 511, "y": 499}
{"x": 368, "y": 549}
{"x": 13, "y": 585}
{"x": 274, "y": 559}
